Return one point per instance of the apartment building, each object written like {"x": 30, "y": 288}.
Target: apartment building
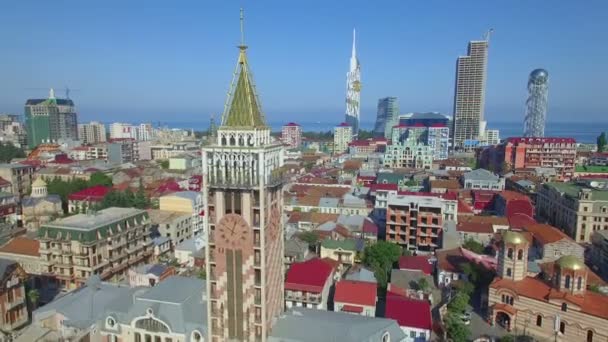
{"x": 92, "y": 133}
{"x": 579, "y": 208}
{"x": 13, "y": 303}
{"x": 104, "y": 243}
{"x": 20, "y": 176}
{"x": 414, "y": 222}
{"x": 189, "y": 202}
{"x": 177, "y": 226}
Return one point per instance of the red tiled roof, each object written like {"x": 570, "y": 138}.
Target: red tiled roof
{"x": 355, "y": 292}
{"x": 385, "y": 187}
{"x": 545, "y": 233}
{"x": 408, "y": 312}
{"x": 519, "y": 206}
{"x": 450, "y": 196}
{"x": 343, "y": 124}
{"x": 23, "y": 246}
{"x": 292, "y": 124}
{"x": 309, "y": 275}
{"x": 475, "y": 227}
{"x": 464, "y": 208}
{"x": 590, "y": 303}
{"x": 369, "y": 227}
{"x": 418, "y": 262}
{"x": 519, "y": 220}
{"x": 352, "y": 308}
{"x": 450, "y": 260}
{"x": 4, "y": 182}
{"x": 63, "y": 159}
{"x": 418, "y": 193}
{"x": 95, "y": 193}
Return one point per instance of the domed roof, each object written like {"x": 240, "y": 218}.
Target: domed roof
{"x": 539, "y": 76}
{"x": 510, "y": 236}
{"x": 39, "y": 183}
{"x": 570, "y": 262}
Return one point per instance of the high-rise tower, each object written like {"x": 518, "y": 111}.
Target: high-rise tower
{"x": 50, "y": 120}
{"x": 469, "y": 93}
{"x": 242, "y": 194}
{"x": 387, "y": 117}
{"x": 353, "y": 90}
{"x": 536, "y": 105}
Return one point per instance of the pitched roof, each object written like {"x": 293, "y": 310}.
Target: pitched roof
{"x": 94, "y": 193}
{"x": 355, "y": 292}
{"x": 309, "y": 275}
{"x": 416, "y": 262}
{"x": 347, "y": 244}
{"x": 244, "y": 110}
{"x": 408, "y": 312}
{"x": 545, "y": 233}
{"x": 494, "y": 220}
{"x": 312, "y": 325}
{"x": 23, "y": 246}
{"x": 450, "y": 260}
{"x": 445, "y": 184}
{"x": 590, "y": 303}
{"x": 475, "y": 227}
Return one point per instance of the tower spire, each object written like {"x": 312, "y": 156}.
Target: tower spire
{"x": 354, "y": 54}
{"x": 242, "y": 18}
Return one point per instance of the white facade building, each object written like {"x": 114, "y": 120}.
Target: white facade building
{"x": 92, "y": 133}
{"x": 343, "y": 135}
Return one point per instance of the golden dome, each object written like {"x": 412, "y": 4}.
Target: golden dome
{"x": 512, "y": 237}
{"x": 570, "y": 262}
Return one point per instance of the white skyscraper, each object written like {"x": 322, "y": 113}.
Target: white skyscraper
{"x": 353, "y": 91}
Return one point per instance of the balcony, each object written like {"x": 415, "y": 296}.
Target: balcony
{"x": 14, "y": 303}
{"x": 19, "y": 322}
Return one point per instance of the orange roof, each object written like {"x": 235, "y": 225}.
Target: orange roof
{"x": 590, "y": 303}
{"x": 445, "y": 184}
{"x": 450, "y": 259}
{"x": 505, "y": 307}
{"x": 475, "y": 227}
{"x": 352, "y": 165}
{"x": 545, "y": 233}
{"x": 493, "y": 220}
{"x": 23, "y": 246}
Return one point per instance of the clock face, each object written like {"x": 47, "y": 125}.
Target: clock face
{"x": 232, "y": 231}
{"x": 357, "y": 86}
{"x": 273, "y": 224}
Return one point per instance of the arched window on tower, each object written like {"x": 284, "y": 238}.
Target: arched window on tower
{"x": 510, "y": 253}
{"x": 589, "y": 335}
{"x": 579, "y": 282}
{"x": 567, "y": 282}
{"x": 539, "y": 321}
{"x": 520, "y": 254}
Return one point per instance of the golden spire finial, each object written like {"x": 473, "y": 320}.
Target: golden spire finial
{"x": 242, "y": 30}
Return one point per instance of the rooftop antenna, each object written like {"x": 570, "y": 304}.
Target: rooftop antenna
{"x": 242, "y": 29}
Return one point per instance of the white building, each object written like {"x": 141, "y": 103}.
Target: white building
{"x": 92, "y": 133}
{"x": 119, "y": 130}
{"x": 343, "y": 135}
{"x": 291, "y": 134}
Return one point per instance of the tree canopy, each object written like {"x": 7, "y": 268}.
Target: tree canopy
{"x": 380, "y": 257}
{"x": 100, "y": 178}
{"x": 473, "y": 246}
{"x": 8, "y": 152}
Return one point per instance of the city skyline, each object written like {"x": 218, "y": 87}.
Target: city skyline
{"x": 133, "y": 74}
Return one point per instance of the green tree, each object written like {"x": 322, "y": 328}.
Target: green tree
{"x": 34, "y": 296}
{"x": 202, "y": 275}
{"x": 507, "y": 338}
{"x": 100, "y": 178}
{"x": 381, "y": 256}
{"x": 455, "y": 328}
{"x": 8, "y": 152}
{"x": 473, "y": 246}
{"x": 459, "y": 303}
{"x": 406, "y": 252}
{"x": 141, "y": 201}
{"x": 601, "y": 142}
{"x": 164, "y": 164}
{"x": 422, "y": 284}
{"x": 311, "y": 237}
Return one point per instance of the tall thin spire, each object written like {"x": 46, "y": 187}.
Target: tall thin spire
{"x": 242, "y": 46}
{"x": 354, "y": 55}
{"x": 51, "y": 93}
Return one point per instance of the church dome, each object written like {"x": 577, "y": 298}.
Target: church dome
{"x": 570, "y": 262}
{"x": 513, "y": 237}
{"x": 39, "y": 183}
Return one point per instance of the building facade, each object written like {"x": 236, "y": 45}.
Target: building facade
{"x": 414, "y": 222}
{"x": 482, "y": 179}
{"x": 13, "y": 303}
{"x": 518, "y": 153}
{"x": 190, "y": 202}
{"x": 578, "y": 208}
{"x": 291, "y": 134}
{"x": 177, "y": 226}
{"x": 353, "y": 91}
{"x": 388, "y": 114}
{"x": 105, "y": 243}
{"x": 343, "y": 135}
{"x": 20, "y": 176}
{"x": 50, "y": 120}
{"x": 469, "y": 93}
{"x": 122, "y": 151}
{"x": 243, "y": 198}
{"x": 92, "y": 133}
{"x": 408, "y": 154}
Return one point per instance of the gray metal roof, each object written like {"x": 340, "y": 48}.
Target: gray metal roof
{"x": 93, "y": 221}
{"x": 34, "y": 201}
{"x": 328, "y": 202}
{"x": 361, "y": 274}
{"x": 481, "y": 174}
{"x": 311, "y": 325}
{"x": 5, "y": 264}
{"x": 295, "y": 246}
{"x": 83, "y": 306}
{"x": 179, "y": 302}
{"x": 352, "y": 222}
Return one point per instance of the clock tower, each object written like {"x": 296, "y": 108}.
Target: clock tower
{"x": 243, "y": 198}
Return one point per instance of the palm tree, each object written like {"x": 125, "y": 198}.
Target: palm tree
{"x": 33, "y": 296}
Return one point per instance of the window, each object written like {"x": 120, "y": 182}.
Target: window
{"x": 110, "y": 322}
{"x": 196, "y": 336}
{"x": 589, "y": 335}
{"x": 509, "y": 272}
{"x": 567, "y": 282}
{"x": 386, "y": 337}
{"x": 539, "y": 321}
{"x": 157, "y": 339}
{"x": 412, "y": 334}
{"x": 520, "y": 254}
{"x": 137, "y": 337}
{"x": 564, "y": 307}
{"x": 562, "y": 327}
{"x": 510, "y": 253}
{"x": 579, "y": 283}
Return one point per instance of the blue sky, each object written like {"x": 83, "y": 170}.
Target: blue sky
{"x": 172, "y": 60}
